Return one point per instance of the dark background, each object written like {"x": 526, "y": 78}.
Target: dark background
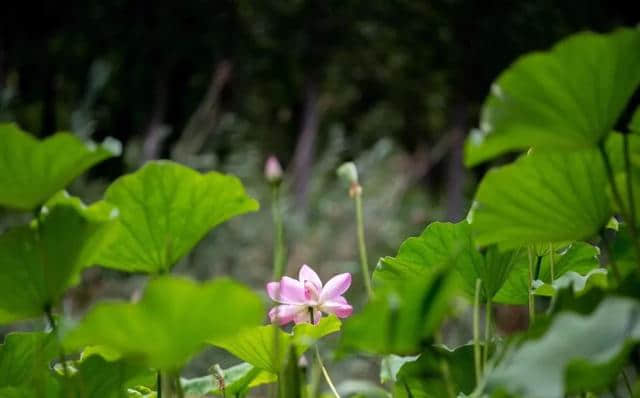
{"x": 184, "y": 77}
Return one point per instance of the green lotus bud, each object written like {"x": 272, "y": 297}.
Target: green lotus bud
{"x": 348, "y": 172}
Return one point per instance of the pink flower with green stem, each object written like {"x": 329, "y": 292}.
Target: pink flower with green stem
{"x": 299, "y": 298}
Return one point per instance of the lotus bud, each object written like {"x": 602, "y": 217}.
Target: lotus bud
{"x": 273, "y": 170}
{"x": 348, "y": 172}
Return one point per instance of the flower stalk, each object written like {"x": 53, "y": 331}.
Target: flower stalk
{"x": 632, "y": 206}
{"x": 349, "y": 173}
{"x": 487, "y": 332}
{"x": 325, "y": 373}
{"x": 476, "y": 332}
{"x": 532, "y": 303}
{"x": 616, "y": 192}
{"x": 273, "y": 174}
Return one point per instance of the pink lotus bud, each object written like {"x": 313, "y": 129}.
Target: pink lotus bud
{"x": 273, "y": 170}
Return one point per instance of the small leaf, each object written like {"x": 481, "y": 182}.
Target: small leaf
{"x": 171, "y": 322}
{"x": 31, "y": 171}
{"x": 577, "y": 353}
{"x": 439, "y": 372}
{"x": 390, "y": 366}
{"x": 579, "y": 258}
{"x": 566, "y": 98}
{"x": 38, "y": 262}
{"x": 165, "y": 210}
{"x": 361, "y": 389}
{"x": 542, "y": 198}
{"x": 238, "y": 380}
{"x": 257, "y": 346}
{"x": 97, "y": 377}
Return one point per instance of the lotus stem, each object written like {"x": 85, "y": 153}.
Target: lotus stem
{"x": 476, "y": 332}
{"x": 362, "y": 247}
{"x": 278, "y": 233}
{"x": 616, "y": 192}
{"x": 487, "y": 333}
{"x": 532, "y": 304}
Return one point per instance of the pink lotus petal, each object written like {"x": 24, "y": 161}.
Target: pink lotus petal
{"x": 284, "y": 314}
{"x": 338, "y": 307}
{"x": 339, "y": 299}
{"x": 287, "y": 291}
{"x": 311, "y": 292}
{"x": 308, "y": 274}
{"x": 273, "y": 291}
{"x": 335, "y": 287}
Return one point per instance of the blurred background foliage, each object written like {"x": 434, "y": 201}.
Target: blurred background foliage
{"x": 393, "y": 85}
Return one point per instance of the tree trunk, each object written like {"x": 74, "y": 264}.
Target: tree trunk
{"x": 157, "y": 131}
{"x": 203, "y": 122}
{"x": 456, "y": 173}
{"x": 304, "y": 151}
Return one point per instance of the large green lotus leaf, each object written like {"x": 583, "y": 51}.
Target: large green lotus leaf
{"x": 541, "y": 198}
{"x": 238, "y": 380}
{"x": 165, "y": 210}
{"x": 576, "y": 260}
{"x": 97, "y": 377}
{"x": 39, "y": 261}
{"x": 427, "y": 377}
{"x": 401, "y": 318}
{"x": 257, "y": 346}
{"x": 171, "y": 322}
{"x": 24, "y": 365}
{"x": 445, "y": 245}
{"x": 31, "y": 171}
{"x": 564, "y": 99}
{"x": 577, "y": 353}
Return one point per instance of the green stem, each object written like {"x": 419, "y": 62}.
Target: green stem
{"x": 476, "y": 332}
{"x": 54, "y": 329}
{"x": 446, "y": 372}
{"x": 278, "y": 233}
{"x": 632, "y": 206}
{"x": 627, "y": 383}
{"x": 159, "y": 384}
{"x": 179, "y": 389}
{"x": 611, "y": 257}
{"x": 321, "y": 364}
{"x": 326, "y": 374}
{"x": 532, "y": 304}
{"x": 362, "y": 246}
{"x": 551, "y": 263}
{"x": 618, "y": 197}
{"x": 444, "y": 367}
{"x": 487, "y": 333}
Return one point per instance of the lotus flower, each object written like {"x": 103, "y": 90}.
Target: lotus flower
{"x": 297, "y": 298}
